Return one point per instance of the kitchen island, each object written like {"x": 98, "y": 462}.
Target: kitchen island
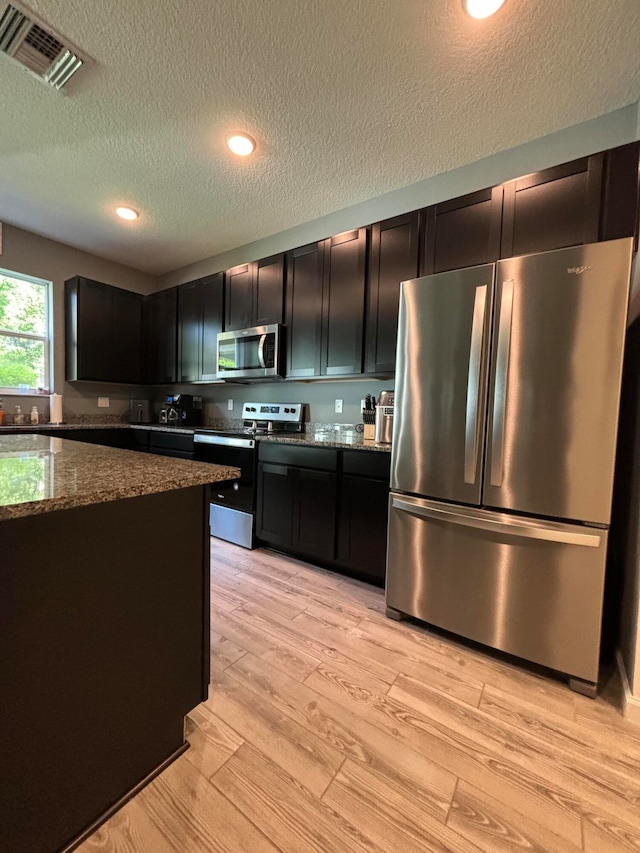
{"x": 104, "y": 620}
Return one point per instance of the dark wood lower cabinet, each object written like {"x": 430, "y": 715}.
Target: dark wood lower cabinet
{"x": 296, "y": 509}
{"x": 314, "y": 513}
{"x": 275, "y": 504}
{"x": 334, "y": 513}
{"x": 362, "y": 526}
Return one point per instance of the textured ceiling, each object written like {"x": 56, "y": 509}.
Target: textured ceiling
{"x": 347, "y": 100}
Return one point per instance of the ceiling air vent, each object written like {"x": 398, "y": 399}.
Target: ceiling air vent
{"x": 36, "y": 47}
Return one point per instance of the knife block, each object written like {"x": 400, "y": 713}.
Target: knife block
{"x": 369, "y": 418}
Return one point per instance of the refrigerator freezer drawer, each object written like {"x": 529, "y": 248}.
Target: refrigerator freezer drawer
{"x": 528, "y": 587}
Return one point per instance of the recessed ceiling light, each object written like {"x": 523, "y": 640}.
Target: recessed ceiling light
{"x": 482, "y": 8}
{"x": 127, "y": 213}
{"x": 241, "y": 144}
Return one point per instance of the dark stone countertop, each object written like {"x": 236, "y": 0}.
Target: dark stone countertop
{"x": 42, "y": 474}
{"x": 341, "y": 439}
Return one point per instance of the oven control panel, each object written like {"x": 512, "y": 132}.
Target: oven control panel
{"x": 283, "y": 412}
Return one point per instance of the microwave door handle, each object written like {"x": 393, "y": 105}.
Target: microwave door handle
{"x": 263, "y": 340}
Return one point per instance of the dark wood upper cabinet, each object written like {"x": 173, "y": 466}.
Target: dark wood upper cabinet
{"x": 212, "y": 291}
{"x": 189, "y": 332}
{"x": 127, "y": 330}
{"x": 199, "y": 321}
{"x": 268, "y": 276}
{"x": 238, "y": 297}
{"x": 621, "y": 193}
{"x": 343, "y": 303}
{"x": 462, "y": 232}
{"x": 554, "y": 208}
{"x": 254, "y": 293}
{"x": 393, "y": 258}
{"x": 305, "y": 270}
{"x": 161, "y": 336}
{"x": 103, "y": 332}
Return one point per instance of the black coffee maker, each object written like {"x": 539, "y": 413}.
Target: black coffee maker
{"x": 181, "y": 410}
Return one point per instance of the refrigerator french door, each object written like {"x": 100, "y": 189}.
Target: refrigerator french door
{"x": 507, "y": 395}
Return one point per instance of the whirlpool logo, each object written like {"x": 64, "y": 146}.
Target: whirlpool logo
{"x": 578, "y": 270}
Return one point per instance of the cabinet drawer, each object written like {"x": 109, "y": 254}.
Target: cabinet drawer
{"x": 367, "y": 463}
{"x": 320, "y": 458}
{"x": 171, "y": 441}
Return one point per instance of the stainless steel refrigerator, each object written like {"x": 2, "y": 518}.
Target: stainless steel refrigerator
{"x": 506, "y": 412}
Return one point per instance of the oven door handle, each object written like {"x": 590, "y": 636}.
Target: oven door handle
{"x": 263, "y": 340}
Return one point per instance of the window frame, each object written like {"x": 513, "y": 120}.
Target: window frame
{"x": 47, "y": 338}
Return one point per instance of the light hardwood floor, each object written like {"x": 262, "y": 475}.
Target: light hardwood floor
{"x": 330, "y": 728}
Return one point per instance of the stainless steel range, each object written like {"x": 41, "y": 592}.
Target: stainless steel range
{"x": 233, "y": 503}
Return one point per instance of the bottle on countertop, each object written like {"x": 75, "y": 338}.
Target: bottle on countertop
{"x": 18, "y": 418}
{"x": 35, "y": 415}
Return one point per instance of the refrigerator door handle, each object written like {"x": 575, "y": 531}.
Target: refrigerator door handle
{"x": 511, "y": 528}
{"x": 472, "y": 422}
{"x": 500, "y": 388}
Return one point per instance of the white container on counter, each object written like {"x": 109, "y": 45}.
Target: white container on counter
{"x": 55, "y": 408}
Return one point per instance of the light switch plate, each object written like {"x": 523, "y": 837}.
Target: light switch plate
{"x": 230, "y": 404}
{"x": 103, "y": 402}
{"x": 338, "y": 407}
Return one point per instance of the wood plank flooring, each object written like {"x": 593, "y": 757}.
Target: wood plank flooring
{"x": 331, "y": 729}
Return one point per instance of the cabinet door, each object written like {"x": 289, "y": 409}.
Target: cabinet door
{"x": 268, "y": 290}
{"x": 304, "y": 310}
{"x": 463, "y": 232}
{"x": 212, "y": 319}
{"x": 343, "y": 303}
{"x": 314, "y": 514}
{"x": 94, "y": 341}
{"x": 393, "y": 257}
{"x": 161, "y": 310}
{"x": 126, "y": 336}
{"x": 553, "y": 209}
{"x": 362, "y": 526}
{"x": 621, "y": 193}
{"x": 189, "y": 332}
{"x": 239, "y": 310}
{"x": 274, "y": 517}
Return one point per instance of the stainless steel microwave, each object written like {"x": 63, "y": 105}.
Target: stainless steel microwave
{"x": 254, "y": 353}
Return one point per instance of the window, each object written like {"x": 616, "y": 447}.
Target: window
{"x": 24, "y": 333}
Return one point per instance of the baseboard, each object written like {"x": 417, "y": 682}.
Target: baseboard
{"x": 630, "y": 703}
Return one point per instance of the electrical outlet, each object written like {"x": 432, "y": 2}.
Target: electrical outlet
{"x": 362, "y": 402}
{"x": 230, "y": 404}
{"x": 338, "y": 407}
{"x": 103, "y": 402}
